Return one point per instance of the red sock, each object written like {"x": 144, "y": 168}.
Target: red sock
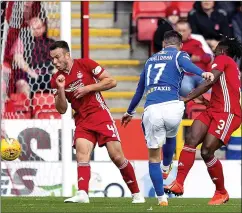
{"x": 185, "y": 163}
{"x": 127, "y": 172}
{"x": 84, "y": 174}
{"x": 215, "y": 171}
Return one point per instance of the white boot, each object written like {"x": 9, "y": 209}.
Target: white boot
{"x": 138, "y": 198}
{"x": 162, "y": 200}
{"x": 80, "y": 197}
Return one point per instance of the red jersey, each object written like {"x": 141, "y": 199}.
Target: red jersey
{"x": 225, "y": 95}
{"x": 83, "y": 72}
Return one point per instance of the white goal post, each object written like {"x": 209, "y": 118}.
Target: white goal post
{"x": 66, "y": 118}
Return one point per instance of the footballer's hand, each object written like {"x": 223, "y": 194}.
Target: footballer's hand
{"x": 185, "y": 100}
{"x": 126, "y": 119}
{"x": 80, "y": 92}
{"x": 61, "y": 81}
{"x": 208, "y": 76}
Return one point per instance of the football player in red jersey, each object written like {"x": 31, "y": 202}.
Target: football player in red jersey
{"x": 214, "y": 126}
{"x": 79, "y": 81}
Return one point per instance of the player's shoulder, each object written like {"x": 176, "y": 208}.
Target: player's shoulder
{"x": 223, "y": 58}
{"x": 184, "y": 54}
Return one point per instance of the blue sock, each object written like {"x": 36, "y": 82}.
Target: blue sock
{"x": 168, "y": 150}
{"x": 156, "y": 178}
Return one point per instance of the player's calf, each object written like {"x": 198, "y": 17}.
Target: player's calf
{"x": 126, "y": 170}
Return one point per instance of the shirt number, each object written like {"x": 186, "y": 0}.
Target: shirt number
{"x": 160, "y": 67}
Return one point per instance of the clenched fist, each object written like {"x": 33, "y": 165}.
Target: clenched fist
{"x": 208, "y": 76}
{"x": 60, "y": 81}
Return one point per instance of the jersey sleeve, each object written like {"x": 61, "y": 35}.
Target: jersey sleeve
{"x": 186, "y": 64}
{"x": 138, "y": 94}
{"x": 219, "y": 63}
{"x": 53, "y": 85}
{"x": 94, "y": 68}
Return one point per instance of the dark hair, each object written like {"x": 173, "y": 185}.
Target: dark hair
{"x": 232, "y": 47}
{"x": 172, "y": 37}
{"x": 60, "y": 44}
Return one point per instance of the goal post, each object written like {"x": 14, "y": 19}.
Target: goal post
{"x": 28, "y": 114}
{"x": 66, "y": 136}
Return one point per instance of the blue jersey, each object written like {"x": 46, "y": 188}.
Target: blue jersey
{"x": 161, "y": 77}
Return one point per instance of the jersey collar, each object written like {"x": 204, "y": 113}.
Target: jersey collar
{"x": 170, "y": 48}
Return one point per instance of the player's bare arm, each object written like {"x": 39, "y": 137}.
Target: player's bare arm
{"x": 106, "y": 82}
{"x": 204, "y": 87}
{"x": 60, "y": 99}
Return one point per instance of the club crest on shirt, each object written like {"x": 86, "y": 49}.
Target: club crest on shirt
{"x": 79, "y": 74}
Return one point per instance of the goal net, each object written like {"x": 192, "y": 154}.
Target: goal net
{"x": 27, "y": 104}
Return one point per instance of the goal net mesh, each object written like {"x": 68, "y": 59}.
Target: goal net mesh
{"x": 27, "y": 105}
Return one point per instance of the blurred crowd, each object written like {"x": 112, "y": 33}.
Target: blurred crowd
{"x": 27, "y": 67}
{"x": 209, "y": 19}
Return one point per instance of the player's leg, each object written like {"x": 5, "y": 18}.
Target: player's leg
{"x": 84, "y": 143}
{"x": 172, "y": 116}
{"x": 186, "y": 160}
{"x": 107, "y": 135}
{"x": 220, "y": 130}
{"x": 156, "y": 175}
{"x": 168, "y": 151}
{"x": 214, "y": 166}
{"x": 155, "y": 135}
{"x": 126, "y": 169}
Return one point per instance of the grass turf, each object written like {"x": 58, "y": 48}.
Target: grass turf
{"x": 54, "y": 204}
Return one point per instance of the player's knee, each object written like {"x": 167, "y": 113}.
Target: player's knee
{"x": 191, "y": 140}
{"x": 117, "y": 159}
{"x": 206, "y": 153}
{"x": 82, "y": 156}
{"x": 154, "y": 159}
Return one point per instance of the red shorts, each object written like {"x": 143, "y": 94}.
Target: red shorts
{"x": 220, "y": 124}
{"x": 98, "y": 127}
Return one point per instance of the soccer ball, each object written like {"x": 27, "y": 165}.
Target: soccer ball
{"x": 10, "y": 149}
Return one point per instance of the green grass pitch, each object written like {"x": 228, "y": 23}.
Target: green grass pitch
{"x": 97, "y": 205}
{"x": 54, "y": 204}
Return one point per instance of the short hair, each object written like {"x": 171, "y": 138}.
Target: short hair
{"x": 184, "y": 22}
{"x": 60, "y": 44}
{"x": 172, "y": 37}
{"x": 232, "y": 46}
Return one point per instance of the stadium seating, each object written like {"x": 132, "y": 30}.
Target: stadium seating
{"x": 193, "y": 109}
{"x": 47, "y": 114}
{"x": 17, "y": 107}
{"x": 145, "y": 16}
{"x": 44, "y": 106}
{"x": 20, "y": 102}
{"x": 184, "y": 6}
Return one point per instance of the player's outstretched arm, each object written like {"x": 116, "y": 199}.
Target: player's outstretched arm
{"x": 185, "y": 63}
{"x": 60, "y": 99}
{"x": 203, "y": 87}
{"x": 127, "y": 117}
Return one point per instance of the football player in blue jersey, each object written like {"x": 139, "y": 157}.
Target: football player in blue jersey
{"x": 160, "y": 81}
